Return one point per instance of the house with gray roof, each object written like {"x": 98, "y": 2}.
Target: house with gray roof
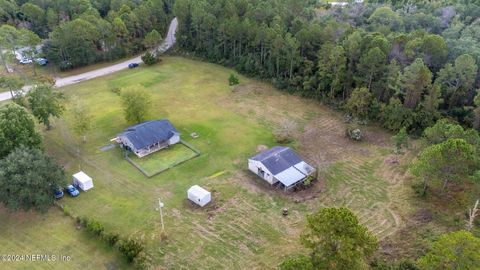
{"x": 280, "y": 164}
{"x": 148, "y": 137}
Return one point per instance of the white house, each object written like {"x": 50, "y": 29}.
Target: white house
{"x": 280, "y": 164}
{"x": 199, "y": 195}
{"x": 148, "y": 137}
{"x": 82, "y": 181}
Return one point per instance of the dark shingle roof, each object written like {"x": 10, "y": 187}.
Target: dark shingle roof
{"x": 278, "y": 158}
{"x": 149, "y": 132}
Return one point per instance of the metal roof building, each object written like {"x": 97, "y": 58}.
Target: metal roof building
{"x": 148, "y": 137}
{"x": 280, "y": 164}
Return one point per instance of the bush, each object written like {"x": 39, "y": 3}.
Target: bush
{"x": 66, "y": 210}
{"x": 111, "y": 238}
{"x": 407, "y": 265}
{"x": 233, "y": 80}
{"x": 130, "y": 248}
{"x": 420, "y": 189}
{"x": 116, "y": 90}
{"x": 149, "y": 58}
{"x": 163, "y": 236}
{"x": 141, "y": 261}
{"x": 308, "y": 181}
{"x": 377, "y": 264}
{"x": 354, "y": 133}
{"x": 94, "y": 227}
{"x": 299, "y": 262}
{"x": 78, "y": 220}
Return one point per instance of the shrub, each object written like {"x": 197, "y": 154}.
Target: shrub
{"x": 149, "y": 58}
{"x": 354, "y": 133}
{"x": 308, "y": 181}
{"x": 420, "y": 189}
{"x": 299, "y": 262}
{"x": 78, "y": 220}
{"x": 142, "y": 261}
{"x": 116, "y": 90}
{"x": 94, "y": 227}
{"x": 233, "y": 80}
{"x": 130, "y": 248}
{"x": 66, "y": 210}
{"x": 400, "y": 140}
{"x": 83, "y": 221}
{"x": 163, "y": 236}
{"x": 407, "y": 265}
{"x": 111, "y": 238}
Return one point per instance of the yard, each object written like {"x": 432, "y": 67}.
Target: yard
{"x": 243, "y": 227}
{"x": 163, "y": 160}
{"x": 51, "y": 234}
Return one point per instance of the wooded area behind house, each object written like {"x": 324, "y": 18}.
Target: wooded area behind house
{"x": 418, "y": 59}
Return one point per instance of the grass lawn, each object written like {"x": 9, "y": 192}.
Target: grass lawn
{"x": 163, "y": 159}
{"x": 243, "y": 227}
{"x": 52, "y": 234}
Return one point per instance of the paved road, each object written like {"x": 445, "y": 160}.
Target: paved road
{"x": 167, "y": 44}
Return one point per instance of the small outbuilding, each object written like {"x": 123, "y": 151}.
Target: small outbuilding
{"x": 199, "y": 195}
{"x": 82, "y": 181}
{"x": 280, "y": 164}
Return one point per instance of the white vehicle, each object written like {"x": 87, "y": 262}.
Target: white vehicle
{"x": 25, "y": 60}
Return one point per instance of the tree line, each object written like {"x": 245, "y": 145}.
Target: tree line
{"x": 81, "y": 32}
{"x": 411, "y": 63}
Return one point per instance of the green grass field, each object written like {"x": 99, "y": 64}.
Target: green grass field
{"x": 163, "y": 159}
{"x": 243, "y": 227}
{"x": 52, "y": 234}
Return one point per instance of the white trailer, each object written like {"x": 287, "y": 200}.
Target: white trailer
{"x": 83, "y": 181}
{"x": 199, "y": 195}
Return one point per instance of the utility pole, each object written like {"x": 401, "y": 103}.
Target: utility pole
{"x": 160, "y": 206}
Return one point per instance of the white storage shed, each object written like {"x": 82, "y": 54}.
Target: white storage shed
{"x": 83, "y": 181}
{"x": 199, "y": 195}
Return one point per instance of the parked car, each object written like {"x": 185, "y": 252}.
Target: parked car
{"x": 58, "y": 193}
{"x": 25, "y": 60}
{"x": 132, "y": 65}
{"x": 41, "y": 61}
{"x": 72, "y": 191}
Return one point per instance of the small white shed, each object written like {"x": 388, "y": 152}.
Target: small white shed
{"x": 83, "y": 181}
{"x": 199, "y": 195}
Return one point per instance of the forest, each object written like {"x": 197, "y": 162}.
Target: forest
{"x": 82, "y": 32}
{"x": 418, "y": 60}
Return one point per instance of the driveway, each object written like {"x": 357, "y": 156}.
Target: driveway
{"x": 60, "y": 82}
